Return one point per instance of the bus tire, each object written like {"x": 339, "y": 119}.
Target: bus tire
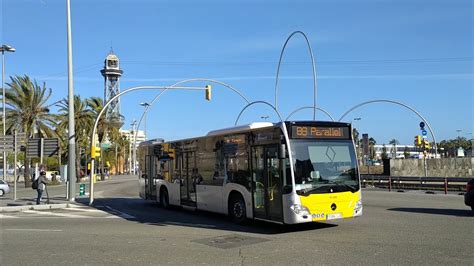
{"x": 164, "y": 198}
{"x": 237, "y": 210}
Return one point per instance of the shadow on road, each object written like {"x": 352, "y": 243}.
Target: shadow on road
{"x": 449, "y": 212}
{"x": 150, "y": 213}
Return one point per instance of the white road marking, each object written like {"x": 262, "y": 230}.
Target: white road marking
{"x": 56, "y": 214}
{"x": 121, "y": 214}
{"x": 35, "y": 230}
{"x": 86, "y": 210}
{"x": 83, "y": 209}
{"x": 3, "y": 216}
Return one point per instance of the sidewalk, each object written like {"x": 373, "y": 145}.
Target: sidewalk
{"x": 23, "y": 204}
{"x": 26, "y": 198}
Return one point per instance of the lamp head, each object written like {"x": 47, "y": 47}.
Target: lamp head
{"x": 7, "y": 48}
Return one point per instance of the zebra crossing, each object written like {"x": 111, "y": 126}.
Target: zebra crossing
{"x": 74, "y": 212}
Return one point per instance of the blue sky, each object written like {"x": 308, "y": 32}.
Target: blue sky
{"x": 418, "y": 52}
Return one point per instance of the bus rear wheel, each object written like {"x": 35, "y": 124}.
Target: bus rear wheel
{"x": 164, "y": 198}
{"x": 237, "y": 210}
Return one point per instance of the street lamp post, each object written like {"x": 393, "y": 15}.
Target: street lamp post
{"x": 459, "y": 142}
{"x": 146, "y": 105}
{"x": 4, "y": 48}
{"x": 71, "y": 165}
{"x": 358, "y": 139}
{"x": 354, "y": 127}
{"x": 134, "y": 149}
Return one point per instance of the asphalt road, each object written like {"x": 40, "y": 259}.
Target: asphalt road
{"x": 396, "y": 228}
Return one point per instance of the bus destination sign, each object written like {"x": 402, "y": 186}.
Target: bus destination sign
{"x": 316, "y": 132}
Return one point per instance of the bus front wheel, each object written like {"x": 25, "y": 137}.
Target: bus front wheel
{"x": 164, "y": 198}
{"x": 237, "y": 211}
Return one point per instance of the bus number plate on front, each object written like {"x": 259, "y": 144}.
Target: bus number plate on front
{"x": 333, "y": 216}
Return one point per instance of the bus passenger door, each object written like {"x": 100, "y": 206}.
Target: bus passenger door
{"x": 267, "y": 183}
{"x": 186, "y": 165}
{"x": 149, "y": 176}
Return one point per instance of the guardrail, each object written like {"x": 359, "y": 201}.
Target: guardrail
{"x": 411, "y": 182}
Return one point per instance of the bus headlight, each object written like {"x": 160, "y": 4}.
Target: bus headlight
{"x": 300, "y": 209}
{"x": 358, "y": 208}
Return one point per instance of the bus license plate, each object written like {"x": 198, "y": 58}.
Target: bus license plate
{"x": 333, "y": 216}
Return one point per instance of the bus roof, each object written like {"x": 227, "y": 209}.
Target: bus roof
{"x": 151, "y": 142}
{"x": 237, "y": 129}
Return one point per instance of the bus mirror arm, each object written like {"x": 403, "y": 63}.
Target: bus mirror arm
{"x": 282, "y": 151}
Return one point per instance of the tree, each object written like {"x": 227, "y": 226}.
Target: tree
{"x": 372, "y": 143}
{"x": 449, "y": 147}
{"x": 394, "y": 143}
{"x": 106, "y": 125}
{"x": 120, "y": 147}
{"x": 83, "y": 125}
{"x": 355, "y": 135}
{"x": 406, "y": 152}
{"x": 384, "y": 152}
{"x": 27, "y": 111}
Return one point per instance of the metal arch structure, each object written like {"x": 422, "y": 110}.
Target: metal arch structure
{"x": 310, "y": 107}
{"x": 285, "y": 133}
{"x": 315, "y": 85}
{"x": 262, "y": 102}
{"x": 400, "y": 104}
{"x": 94, "y": 129}
{"x": 179, "y": 83}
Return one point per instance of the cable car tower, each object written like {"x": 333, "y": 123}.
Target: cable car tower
{"x": 112, "y": 73}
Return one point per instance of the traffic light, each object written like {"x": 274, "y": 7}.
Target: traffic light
{"x": 95, "y": 152}
{"x": 418, "y": 141}
{"x": 208, "y": 92}
{"x": 172, "y": 153}
{"x": 426, "y": 144}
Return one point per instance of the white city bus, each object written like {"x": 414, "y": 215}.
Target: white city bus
{"x": 289, "y": 172}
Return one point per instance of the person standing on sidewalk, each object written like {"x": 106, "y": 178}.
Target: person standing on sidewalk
{"x": 42, "y": 182}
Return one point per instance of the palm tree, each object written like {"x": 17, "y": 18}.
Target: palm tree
{"x": 120, "y": 142}
{"x": 27, "y": 111}
{"x": 394, "y": 143}
{"x": 83, "y": 124}
{"x": 106, "y": 126}
{"x": 372, "y": 143}
{"x": 384, "y": 152}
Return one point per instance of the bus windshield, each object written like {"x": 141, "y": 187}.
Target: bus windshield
{"x": 324, "y": 166}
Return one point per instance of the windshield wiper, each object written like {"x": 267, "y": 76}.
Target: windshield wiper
{"x": 307, "y": 191}
{"x": 352, "y": 188}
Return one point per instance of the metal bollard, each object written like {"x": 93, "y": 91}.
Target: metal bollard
{"x": 389, "y": 183}
{"x": 445, "y": 185}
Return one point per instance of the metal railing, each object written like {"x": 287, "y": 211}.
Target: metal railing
{"x": 456, "y": 184}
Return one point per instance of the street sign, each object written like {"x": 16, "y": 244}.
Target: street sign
{"x": 422, "y": 124}
{"x": 6, "y": 143}
{"x": 51, "y": 147}
{"x": 33, "y": 148}
{"x": 39, "y": 147}
{"x": 424, "y": 132}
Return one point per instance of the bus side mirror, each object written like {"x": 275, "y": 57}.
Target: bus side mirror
{"x": 282, "y": 151}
